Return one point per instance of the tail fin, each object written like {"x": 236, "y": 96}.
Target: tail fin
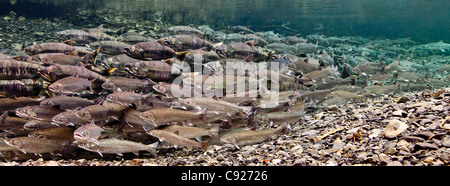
{"x": 203, "y": 115}
{"x": 182, "y": 55}
{"x": 152, "y": 148}
{"x": 3, "y": 118}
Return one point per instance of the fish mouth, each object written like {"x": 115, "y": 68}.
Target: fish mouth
{"x": 221, "y": 53}
{"x": 44, "y": 75}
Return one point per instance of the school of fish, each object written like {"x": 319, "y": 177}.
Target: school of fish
{"x": 108, "y": 91}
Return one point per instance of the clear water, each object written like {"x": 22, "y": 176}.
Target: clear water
{"x": 423, "y": 21}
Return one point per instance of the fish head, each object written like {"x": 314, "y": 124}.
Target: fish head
{"x": 133, "y": 51}
{"x": 60, "y": 119}
{"x": 136, "y": 69}
{"x": 112, "y": 97}
{"x": 49, "y": 73}
{"x": 56, "y": 87}
{"x": 89, "y": 146}
{"x": 109, "y": 86}
{"x": 27, "y": 112}
{"x": 222, "y": 51}
{"x": 81, "y": 135}
{"x": 160, "y": 88}
{"x": 83, "y": 115}
{"x": 14, "y": 142}
{"x": 47, "y": 103}
{"x": 32, "y": 50}
{"x": 147, "y": 116}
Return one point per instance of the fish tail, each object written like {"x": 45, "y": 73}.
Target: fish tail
{"x": 152, "y": 148}
{"x": 203, "y": 115}
{"x": 182, "y": 55}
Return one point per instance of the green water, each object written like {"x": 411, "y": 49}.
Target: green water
{"x": 423, "y": 21}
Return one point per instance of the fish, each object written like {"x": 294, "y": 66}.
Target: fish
{"x": 23, "y": 87}
{"x": 177, "y": 140}
{"x": 118, "y": 61}
{"x": 69, "y": 102}
{"x": 12, "y": 70}
{"x": 8, "y": 121}
{"x": 54, "y": 133}
{"x": 317, "y": 75}
{"x": 154, "y": 70}
{"x": 166, "y": 90}
{"x": 154, "y": 51}
{"x": 277, "y": 118}
{"x": 369, "y": 68}
{"x": 292, "y": 40}
{"x": 132, "y": 117}
{"x": 163, "y": 116}
{"x": 305, "y": 48}
{"x": 98, "y": 113}
{"x": 183, "y": 30}
{"x": 70, "y": 85}
{"x": 68, "y": 118}
{"x": 186, "y": 42}
{"x": 61, "y": 58}
{"x": 302, "y": 66}
{"x": 36, "y": 125}
{"x": 134, "y": 38}
{"x": 38, "y": 112}
{"x": 55, "y": 48}
{"x": 109, "y": 47}
{"x": 56, "y": 72}
{"x": 127, "y": 84}
{"x": 213, "y": 105}
{"x": 244, "y": 29}
{"x": 249, "y": 137}
{"x": 81, "y": 37}
{"x": 12, "y": 103}
{"x": 117, "y": 146}
{"x": 89, "y": 133}
{"x": 242, "y": 51}
{"x": 129, "y": 98}
{"x": 193, "y": 132}
{"x": 36, "y": 145}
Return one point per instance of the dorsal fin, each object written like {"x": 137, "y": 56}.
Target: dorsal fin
{"x": 250, "y": 43}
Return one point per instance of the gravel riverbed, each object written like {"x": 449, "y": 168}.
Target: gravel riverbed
{"x": 411, "y": 129}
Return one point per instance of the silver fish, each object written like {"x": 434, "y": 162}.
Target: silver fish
{"x": 116, "y": 146}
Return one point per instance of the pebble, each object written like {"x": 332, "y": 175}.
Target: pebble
{"x": 395, "y": 128}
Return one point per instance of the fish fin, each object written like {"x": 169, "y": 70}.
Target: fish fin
{"x": 169, "y": 61}
{"x": 69, "y": 42}
{"x": 182, "y": 55}
{"x": 85, "y": 59}
{"x": 3, "y": 118}
{"x": 203, "y": 115}
{"x": 152, "y": 148}
{"x": 217, "y": 45}
{"x": 160, "y": 41}
{"x": 110, "y": 71}
{"x": 249, "y": 58}
{"x": 95, "y": 55}
{"x": 250, "y": 43}
{"x": 73, "y": 53}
